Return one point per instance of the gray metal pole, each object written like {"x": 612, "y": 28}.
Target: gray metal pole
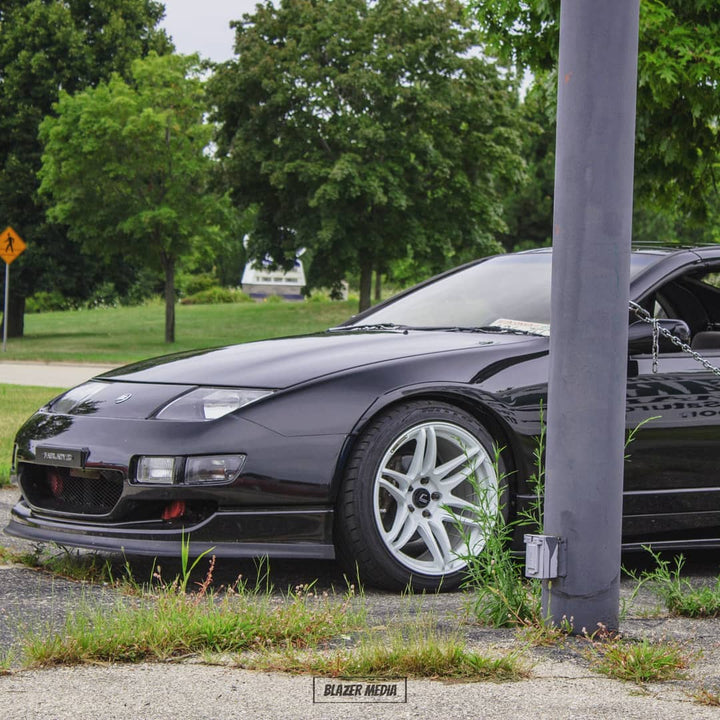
{"x": 590, "y": 285}
{"x": 5, "y": 307}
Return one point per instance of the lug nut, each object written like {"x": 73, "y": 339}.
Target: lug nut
{"x": 426, "y": 513}
{"x": 435, "y": 496}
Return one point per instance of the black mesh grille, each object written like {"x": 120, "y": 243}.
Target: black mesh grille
{"x": 81, "y": 492}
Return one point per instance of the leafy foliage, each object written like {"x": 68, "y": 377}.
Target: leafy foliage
{"x": 678, "y": 102}
{"x": 46, "y": 46}
{"x": 501, "y": 595}
{"x": 360, "y": 129}
{"x": 529, "y": 209}
{"x": 126, "y": 169}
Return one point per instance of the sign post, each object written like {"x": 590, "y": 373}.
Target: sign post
{"x": 11, "y": 247}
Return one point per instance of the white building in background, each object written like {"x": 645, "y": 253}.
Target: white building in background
{"x": 262, "y": 282}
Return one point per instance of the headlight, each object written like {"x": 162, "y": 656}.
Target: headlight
{"x": 199, "y": 470}
{"x": 210, "y": 403}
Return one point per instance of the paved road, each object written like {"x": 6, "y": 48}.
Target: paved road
{"x": 48, "y": 374}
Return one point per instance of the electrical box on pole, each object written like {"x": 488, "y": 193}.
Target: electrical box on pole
{"x": 597, "y": 77}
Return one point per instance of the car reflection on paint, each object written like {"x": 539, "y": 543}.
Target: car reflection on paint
{"x": 374, "y": 442}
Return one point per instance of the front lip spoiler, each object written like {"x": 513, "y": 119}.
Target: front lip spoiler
{"x": 306, "y": 533}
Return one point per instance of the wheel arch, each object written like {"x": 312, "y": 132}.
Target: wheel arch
{"x": 483, "y": 408}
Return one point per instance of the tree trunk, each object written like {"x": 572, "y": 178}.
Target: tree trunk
{"x": 15, "y": 316}
{"x": 378, "y": 285}
{"x": 169, "y": 300}
{"x": 365, "y": 284}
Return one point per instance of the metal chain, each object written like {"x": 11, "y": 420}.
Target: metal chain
{"x": 658, "y": 330}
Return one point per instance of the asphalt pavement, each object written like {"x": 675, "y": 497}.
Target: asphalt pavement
{"x": 562, "y": 683}
{"x": 48, "y": 374}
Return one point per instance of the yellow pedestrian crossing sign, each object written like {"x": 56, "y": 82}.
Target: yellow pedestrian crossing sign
{"x": 11, "y": 245}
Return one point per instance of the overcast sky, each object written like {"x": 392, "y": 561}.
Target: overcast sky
{"x": 202, "y": 26}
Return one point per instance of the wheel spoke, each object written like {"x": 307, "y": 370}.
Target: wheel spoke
{"x": 409, "y": 527}
{"x": 396, "y": 492}
{"x": 464, "y": 458}
{"x": 418, "y": 459}
{"x": 471, "y": 522}
{"x": 401, "y": 516}
{"x": 430, "y": 458}
{"x": 402, "y": 480}
{"x": 438, "y": 543}
{"x": 485, "y": 505}
{"x": 439, "y": 531}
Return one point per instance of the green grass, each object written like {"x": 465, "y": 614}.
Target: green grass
{"x": 297, "y": 631}
{"x": 176, "y": 625}
{"x": 642, "y": 661}
{"x": 17, "y": 404}
{"x": 165, "y": 621}
{"x": 678, "y": 594}
{"x": 707, "y": 696}
{"x": 125, "y": 334}
{"x": 407, "y": 651}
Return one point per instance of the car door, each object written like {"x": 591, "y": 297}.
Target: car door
{"x": 672, "y": 482}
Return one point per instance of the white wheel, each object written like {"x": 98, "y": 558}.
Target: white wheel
{"x": 421, "y": 492}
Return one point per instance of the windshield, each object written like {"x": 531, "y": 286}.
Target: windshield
{"x": 506, "y": 291}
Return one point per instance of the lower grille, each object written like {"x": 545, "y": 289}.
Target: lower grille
{"x": 70, "y": 490}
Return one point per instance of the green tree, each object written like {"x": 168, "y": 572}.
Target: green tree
{"x": 529, "y": 208}
{"x": 360, "y": 129}
{"x": 678, "y": 103}
{"x": 126, "y": 168}
{"x": 45, "y": 46}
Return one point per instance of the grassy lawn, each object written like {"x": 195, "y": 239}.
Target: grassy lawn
{"x": 17, "y": 404}
{"x": 124, "y": 334}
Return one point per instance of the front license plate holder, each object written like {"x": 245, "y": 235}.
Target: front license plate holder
{"x": 61, "y": 456}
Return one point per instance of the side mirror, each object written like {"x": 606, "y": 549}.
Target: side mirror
{"x": 640, "y": 336}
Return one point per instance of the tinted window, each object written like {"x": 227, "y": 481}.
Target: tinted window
{"x": 509, "y": 287}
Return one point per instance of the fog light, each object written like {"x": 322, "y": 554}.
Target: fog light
{"x": 213, "y": 469}
{"x": 156, "y": 470}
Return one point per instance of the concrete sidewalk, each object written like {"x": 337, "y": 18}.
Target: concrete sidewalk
{"x": 60, "y": 375}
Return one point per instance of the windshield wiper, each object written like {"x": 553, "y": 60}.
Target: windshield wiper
{"x": 476, "y": 329}
{"x": 371, "y": 326}
{"x": 499, "y": 329}
{"x": 504, "y": 330}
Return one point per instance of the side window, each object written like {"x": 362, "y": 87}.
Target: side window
{"x": 658, "y": 311}
{"x": 696, "y": 300}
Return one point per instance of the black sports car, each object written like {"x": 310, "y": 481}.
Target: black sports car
{"x": 371, "y": 441}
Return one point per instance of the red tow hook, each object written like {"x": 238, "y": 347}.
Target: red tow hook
{"x": 56, "y": 483}
{"x": 174, "y": 510}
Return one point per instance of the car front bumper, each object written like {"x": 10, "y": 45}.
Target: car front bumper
{"x": 296, "y": 532}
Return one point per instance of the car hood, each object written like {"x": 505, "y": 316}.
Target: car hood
{"x": 284, "y": 362}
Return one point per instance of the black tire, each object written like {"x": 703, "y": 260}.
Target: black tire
{"x": 393, "y": 528}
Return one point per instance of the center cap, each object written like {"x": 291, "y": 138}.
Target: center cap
{"x": 421, "y": 498}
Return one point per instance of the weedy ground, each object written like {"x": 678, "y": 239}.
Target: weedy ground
{"x": 254, "y": 626}
{"x": 678, "y": 595}
{"x": 303, "y": 630}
